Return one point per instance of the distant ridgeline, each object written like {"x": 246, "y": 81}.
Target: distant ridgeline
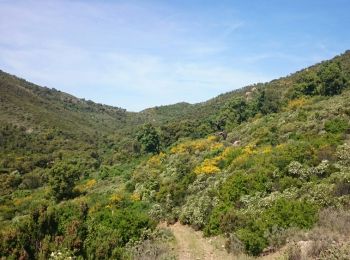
{"x": 260, "y": 165}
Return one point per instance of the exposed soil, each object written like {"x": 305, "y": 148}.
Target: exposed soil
{"x": 191, "y": 245}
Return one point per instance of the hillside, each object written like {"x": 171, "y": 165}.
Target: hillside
{"x": 264, "y": 167}
{"x": 32, "y": 106}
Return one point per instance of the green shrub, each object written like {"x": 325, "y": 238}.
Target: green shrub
{"x": 343, "y": 154}
{"x": 242, "y": 183}
{"x": 119, "y": 226}
{"x": 253, "y": 239}
{"x": 62, "y": 179}
{"x": 336, "y": 125}
{"x": 282, "y": 214}
{"x": 333, "y": 79}
{"x": 149, "y": 138}
{"x": 213, "y": 227}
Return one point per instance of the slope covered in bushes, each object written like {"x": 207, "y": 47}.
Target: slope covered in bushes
{"x": 255, "y": 165}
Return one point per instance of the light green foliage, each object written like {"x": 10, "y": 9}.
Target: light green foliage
{"x": 200, "y": 202}
{"x": 61, "y": 255}
{"x": 337, "y": 125}
{"x": 296, "y": 170}
{"x": 343, "y": 154}
{"x": 196, "y": 210}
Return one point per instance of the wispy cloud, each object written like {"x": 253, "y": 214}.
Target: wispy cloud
{"x": 138, "y": 54}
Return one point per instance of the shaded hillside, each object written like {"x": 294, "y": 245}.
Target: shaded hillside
{"x": 32, "y": 106}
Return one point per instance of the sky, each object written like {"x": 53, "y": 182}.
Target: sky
{"x": 143, "y": 53}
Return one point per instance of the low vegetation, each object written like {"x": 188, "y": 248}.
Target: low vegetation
{"x": 267, "y": 167}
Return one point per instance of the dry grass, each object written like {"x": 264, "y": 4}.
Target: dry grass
{"x": 329, "y": 239}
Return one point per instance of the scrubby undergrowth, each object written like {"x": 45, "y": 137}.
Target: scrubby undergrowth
{"x": 262, "y": 167}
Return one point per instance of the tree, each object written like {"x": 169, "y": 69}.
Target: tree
{"x": 240, "y": 110}
{"x": 307, "y": 85}
{"x": 236, "y": 111}
{"x": 333, "y": 80}
{"x": 149, "y": 138}
{"x": 62, "y": 180}
{"x": 268, "y": 101}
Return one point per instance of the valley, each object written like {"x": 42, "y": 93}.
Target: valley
{"x": 258, "y": 172}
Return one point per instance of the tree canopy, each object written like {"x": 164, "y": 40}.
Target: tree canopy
{"x": 149, "y": 138}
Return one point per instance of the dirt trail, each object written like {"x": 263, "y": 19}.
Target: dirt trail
{"x": 191, "y": 245}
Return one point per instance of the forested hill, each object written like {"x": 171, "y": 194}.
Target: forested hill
{"x": 26, "y": 104}
{"x": 260, "y": 166}
{"x": 31, "y": 106}
{"x": 212, "y": 107}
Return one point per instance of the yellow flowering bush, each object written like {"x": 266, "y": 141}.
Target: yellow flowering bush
{"x": 197, "y": 145}
{"x": 156, "y": 160}
{"x": 214, "y": 165}
{"x": 90, "y": 183}
{"x": 247, "y": 152}
{"x": 296, "y": 103}
{"x": 212, "y": 138}
{"x": 135, "y": 197}
{"x": 228, "y": 151}
{"x": 85, "y": 186}
{"x": 208, "y": 166}
{"x": 19, "y": 201}
{"x": 116, "y": 198}
{"x": 265, "y": 150}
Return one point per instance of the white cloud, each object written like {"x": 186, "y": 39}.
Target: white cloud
{"x": 115, "y": 52}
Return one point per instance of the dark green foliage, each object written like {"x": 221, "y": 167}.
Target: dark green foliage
{"x": 9, "y": 182}
{"x": 253, "y": 230}
{"x": 242, "y": 184}
{"x": 288, "y": 182}
{"x": 62, "y": 179}
{"x": 119, "y": 227}
{"x": 214, "y": 225}
{"x": 329, "y": 80}
{"x": 301, "y": 151}
{"x": 69, "y": 226}
{"x": 333, "y": 80}
{"x": 307, "y": 85}
{"x": 283, "y": 214}
{"x": 224, "y": 220}
{"x": 237, "y": 110}
{"x": 253, "y": 240}
{"x": 269, "y": 101}
{"x": 36, "y": 235}
{"x": 172, "y": 132}
{"x": 149, "y": 138}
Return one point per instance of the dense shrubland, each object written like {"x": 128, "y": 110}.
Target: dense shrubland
{"x": 259, "y": 166}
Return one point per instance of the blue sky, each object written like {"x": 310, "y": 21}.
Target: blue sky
{"x": 138, "y": 54}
